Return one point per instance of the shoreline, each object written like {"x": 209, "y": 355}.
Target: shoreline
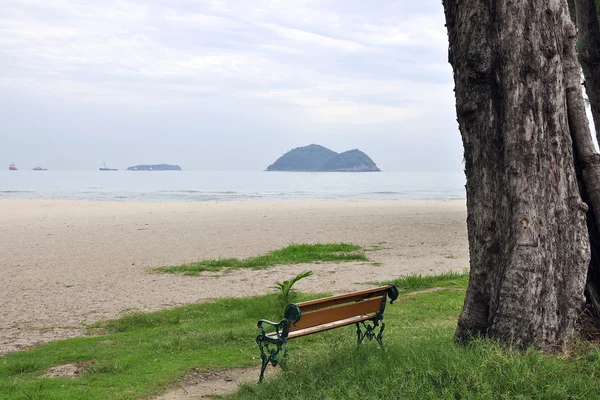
{"x": 221, "y": 200}
{"x": 76, "y": 262}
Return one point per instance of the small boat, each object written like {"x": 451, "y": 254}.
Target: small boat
{"x": 38, "y": 168}
{"x": 12, "y": 167}
{"x": 105, "y": 168}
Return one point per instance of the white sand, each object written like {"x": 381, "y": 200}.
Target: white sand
{"x": 64, "y": 264}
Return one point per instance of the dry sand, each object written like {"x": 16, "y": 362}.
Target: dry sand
{"x": 64, "y": 264}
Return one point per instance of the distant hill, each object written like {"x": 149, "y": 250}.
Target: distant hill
{"x": 316, "y": 158}
{"x": 155, "y": 167}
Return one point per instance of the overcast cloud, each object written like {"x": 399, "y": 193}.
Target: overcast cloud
{"x": 224, "y": 84}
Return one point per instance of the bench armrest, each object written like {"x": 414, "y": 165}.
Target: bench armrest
{"x": 266, "y": 321}
{"x": 282, "y": 328}
{"x": 392, "y": 293}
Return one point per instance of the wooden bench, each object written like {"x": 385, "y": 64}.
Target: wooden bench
{"x": 364, "y": 309}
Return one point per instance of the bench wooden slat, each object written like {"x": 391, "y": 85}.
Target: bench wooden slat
{"x": 310, "y": 305}
{"x": 324, "y": 327}
{"x": 327, "y": 315}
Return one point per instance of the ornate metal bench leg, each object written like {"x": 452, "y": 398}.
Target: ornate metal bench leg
{"x": 268, "y": 355}
{"x": 265, "y": 362}
{"x": 263, "y": 357}
{"x": 379, "y": 336}
{"x": 359, "y": 334}
{"x": 369, "y": 331}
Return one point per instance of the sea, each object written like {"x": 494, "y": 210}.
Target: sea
{"x": 196, "y": 186}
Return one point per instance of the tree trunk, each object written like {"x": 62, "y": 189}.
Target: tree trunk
{"x": 587, "y": 164}
{"x": 587, "y": 159}
{"x": 589, "y": 54}
{"x": 586, "y": 16}
{"x": 528, "y": 240}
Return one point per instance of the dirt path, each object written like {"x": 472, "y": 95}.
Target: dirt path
{"x": 204, "y": 385}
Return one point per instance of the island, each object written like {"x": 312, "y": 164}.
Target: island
{"x": 155, "y": 167}
{"x": 316, "y": 158}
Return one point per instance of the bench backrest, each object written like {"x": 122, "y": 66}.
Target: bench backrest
{"x": 336, "y": 308}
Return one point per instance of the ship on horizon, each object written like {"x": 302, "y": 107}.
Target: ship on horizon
{"x": 38, "y": 168}
{"x": 105, "y": 168}
{"x": 12, "y": 167}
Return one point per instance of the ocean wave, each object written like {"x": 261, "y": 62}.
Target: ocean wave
{"x": 191, "y": 191}
{"x": 232, "y": 186}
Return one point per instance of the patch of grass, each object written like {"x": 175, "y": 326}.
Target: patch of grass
{"x": 136, "y": 320}
{"x": 427, "y": 365}
{"x": 141, "y": 355}
{"x": 293, "y": 254}
{"x": 21, "y": 366}
{"x": 420, "y": 282}
{"x": 421, "y": 361}
{"x": 106, "y": 367}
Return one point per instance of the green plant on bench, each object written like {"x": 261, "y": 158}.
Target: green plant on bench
{"x": 364, "y": 309}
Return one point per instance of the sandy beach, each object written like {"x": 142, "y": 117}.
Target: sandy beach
{"x": 64, "y": 264}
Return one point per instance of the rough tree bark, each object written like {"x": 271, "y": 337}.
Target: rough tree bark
{"x": 528, "y": 239}
{"x": 589, "y": 54}
{"x": 587, "y": 160}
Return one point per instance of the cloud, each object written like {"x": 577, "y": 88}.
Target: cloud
{"x": 299, "y": 35}
{"x": 202, "y": 21}
{"x": 339, "y": 63}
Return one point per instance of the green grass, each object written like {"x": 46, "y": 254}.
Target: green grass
{"x": 420, "y": 361}
{"x": 419, "y": 282}
{"x": 139, "y": 355}
{"x": 293, "y": 254}
{"x": 423, "y": 363}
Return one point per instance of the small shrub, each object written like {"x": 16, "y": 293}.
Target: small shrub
{"x": 285, "y": 287}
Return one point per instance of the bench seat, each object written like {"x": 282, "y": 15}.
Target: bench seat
{"x": 324, "y": 327}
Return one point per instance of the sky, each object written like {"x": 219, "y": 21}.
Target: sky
{"x": 224, "y": 85}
